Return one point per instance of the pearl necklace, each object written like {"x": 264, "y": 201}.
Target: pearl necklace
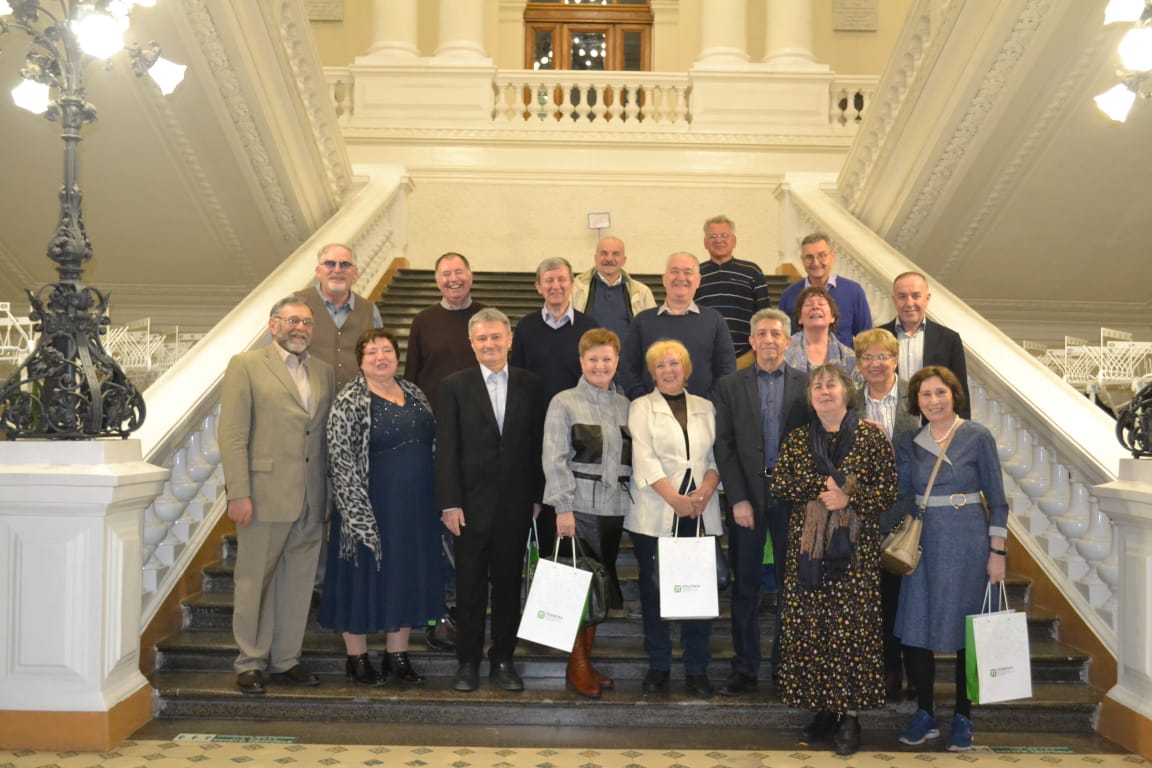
{"x": 955, "y": 421}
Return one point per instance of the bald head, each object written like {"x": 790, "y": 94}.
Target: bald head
{"x": 610, "y": 258}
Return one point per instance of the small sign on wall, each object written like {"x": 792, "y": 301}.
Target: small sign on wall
{"x": 856, "y": 15}
{"x": 324, "y": 10}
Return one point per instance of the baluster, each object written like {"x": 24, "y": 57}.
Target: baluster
{"x": 1109, "y": 572}
{"x": 600, "y": 108}
{"x": 198, "y": 469}
{"x": 154, "y": 532}
{"x": 582, "y": 109}
{"x": 680, "y": 105}
{"x": 183, "y": 487}
{"x": 1094, "y": 546}
{"x": 993, "y": 422}
{"x": 979, "y": 403}
{"x": 209, "y": 447}
{"x": 1006, "y": 440}
{"x": 1021, "y": 462}
{"x": 1075, "y": 523}
{"x": 632, "y": 113}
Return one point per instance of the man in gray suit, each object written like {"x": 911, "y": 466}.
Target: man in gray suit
{"x": 274, "y": 406}
{"x": 756, "y": 407}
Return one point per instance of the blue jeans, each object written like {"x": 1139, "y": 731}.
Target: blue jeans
{"x": 694, "y": 634}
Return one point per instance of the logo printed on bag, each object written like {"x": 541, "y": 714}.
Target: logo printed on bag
{"x": 1001, "y": 671}
{"x": 679, "y": 588}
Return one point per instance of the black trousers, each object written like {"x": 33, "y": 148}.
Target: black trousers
{"x": 492, "y": 558}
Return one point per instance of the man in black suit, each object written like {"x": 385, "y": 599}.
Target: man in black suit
{"x": 923, "y": 342}
{"x": 489, "y": 438}
{"x": 756, "y": 407}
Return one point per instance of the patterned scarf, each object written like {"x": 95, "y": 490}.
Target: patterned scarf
{"x": 828, "y": 538}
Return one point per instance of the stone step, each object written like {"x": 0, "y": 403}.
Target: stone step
{"x": 212, "y": 695}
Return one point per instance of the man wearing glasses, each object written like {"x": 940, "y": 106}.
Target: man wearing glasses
{"x": 341, "y": 316}
{"x": 733, "y": 287}
{"x": 274, "y": 405}
{"x": 818, "y": 259}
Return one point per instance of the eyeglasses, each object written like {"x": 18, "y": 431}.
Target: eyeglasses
{"x": 719, "y": 236}
{"x": 881, "y": 358}
{"x": 292, "y": 322}
{"x": 330, "y": 264}
{"x": 820, "y": 257}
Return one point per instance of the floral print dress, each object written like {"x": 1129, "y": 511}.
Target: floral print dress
{"x": 831, "y": 655}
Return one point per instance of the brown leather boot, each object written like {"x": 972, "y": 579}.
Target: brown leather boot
{"x": 580, "y": 677}
{"x": 589, "y": 635}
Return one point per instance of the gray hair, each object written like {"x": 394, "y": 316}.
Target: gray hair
{"x": 329, "y": 246}
{"x": 772, "y": 314}
{"x": 293, "y": 299}
{"x": 551, "y": 263}
{"x": 815, "y": 237}
{"x": 680, "y": 253}
{"x": 721, "y": 219}
{"x": 489, "y": 315}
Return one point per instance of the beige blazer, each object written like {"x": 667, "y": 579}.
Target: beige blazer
{"x": 658, "y": 451}
{"x": 273, "y": 450}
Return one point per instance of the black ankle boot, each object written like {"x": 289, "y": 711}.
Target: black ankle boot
{"x": 358, "y": 668}
{"x": 401, "y": 668}
{"x": 846, "y": 739}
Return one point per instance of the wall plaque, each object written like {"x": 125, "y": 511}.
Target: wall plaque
{"x": 324, "y": 10}
{"x": 856, "y": 15}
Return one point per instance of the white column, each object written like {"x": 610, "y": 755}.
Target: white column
{"x": 788, "y": 39}
{"x": 70, "y": 598}
{"x": 1128, "y": 502}
{"x": 461, "y": 30}
{"x": 393, "y": 30}
{"x": 723, "y": 27}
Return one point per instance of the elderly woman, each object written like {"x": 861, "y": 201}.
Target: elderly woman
{"x": 587, "y": 466}
{"x": 815, "y": 344}
{"x": 384, "y": 544}
{"x": 674, "y": 477}
{"x": 962, "y": 544}
{"x": 839, "y": 474}
{"x": 886, "y": 404}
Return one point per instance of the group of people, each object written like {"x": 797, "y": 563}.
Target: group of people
{"x": 603, "y": 413}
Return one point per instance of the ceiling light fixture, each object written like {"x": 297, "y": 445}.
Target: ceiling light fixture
{"x": 1135, "y": 51}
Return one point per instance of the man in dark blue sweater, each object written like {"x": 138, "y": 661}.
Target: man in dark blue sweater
{"x": 702, "y": 330}
{"x": 548, "y": 342}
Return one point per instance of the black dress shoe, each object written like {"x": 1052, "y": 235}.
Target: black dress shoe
{"x": 467, "y": 677}
{"x": 846, "y": 739}
{"x": 251, "y": 682}
{"x": 820, "y": 730}
{"x": 738, "y": 684}
{"x": 401, "y": 668}
{"x": 656, "y": 681}
{"x": 698, "y": 686}
{"x": 505, "y": 677}
{"x": 297, "y": 675}
{"x": 360, "y": 670}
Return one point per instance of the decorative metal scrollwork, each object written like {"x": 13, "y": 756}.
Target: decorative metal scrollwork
{"x": 1134, "y": 424}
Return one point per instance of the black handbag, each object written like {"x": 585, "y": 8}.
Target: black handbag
{"x": 596, "y": 609}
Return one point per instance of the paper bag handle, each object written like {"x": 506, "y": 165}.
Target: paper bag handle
{"x": 986, "y": 607}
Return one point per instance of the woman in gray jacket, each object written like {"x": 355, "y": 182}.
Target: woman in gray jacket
{"x": 587, "y": 465}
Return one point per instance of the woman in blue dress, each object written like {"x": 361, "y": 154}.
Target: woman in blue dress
{"x": 384, "y": 543}
{"x": 963, "y": 547}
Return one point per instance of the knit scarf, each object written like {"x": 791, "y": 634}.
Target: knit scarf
{"x": 828, "y": 537}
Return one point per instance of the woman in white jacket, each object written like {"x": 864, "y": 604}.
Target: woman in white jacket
{"x": 674, "y": 477}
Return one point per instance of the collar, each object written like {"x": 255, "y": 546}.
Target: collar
{"x": 301, "y": 358}
{"x": 488, "y": 373}
{"x": 893, "y": 394}
{"x": 569, "y": 315}
{"x": 762, "y": 372}
{"x": 830, "y": 284}
{"x": 692, "y": 308}
{"x": 901, "y": 333}
{"x": 350, "y": 304}
{"x": 467, "y": 304}
{"x": 619, "y": 280}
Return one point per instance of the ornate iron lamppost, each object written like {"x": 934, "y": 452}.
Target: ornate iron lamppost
{"x": 70, "y": 387}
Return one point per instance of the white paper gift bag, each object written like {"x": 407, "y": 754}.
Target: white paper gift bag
{"x": 998, "y": 661}
{"x": 687, "y": 568}
{"x": 555, "y": 605}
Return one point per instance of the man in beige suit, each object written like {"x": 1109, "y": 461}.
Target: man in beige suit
{"x": 274, "y": 406}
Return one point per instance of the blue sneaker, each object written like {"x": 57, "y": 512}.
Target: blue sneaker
{"x": 960, "y": 734}
{"x": 921, "y": 728}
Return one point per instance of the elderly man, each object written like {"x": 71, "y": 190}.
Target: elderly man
{"x": 606, "y": 293}
{"x": 923, "y": 342}
{"x": 489, "y": 482}
{"x": 819, "y": 258}
{"x": 438, "y": 341}
{"x": 756, "y": 408}
{"x": 548, "y": 342}
{"x": 733, "y": 287}
{"x": 340, "y": 315}
{"x": 274, "y": 405}
{"x": 701, "y": 330}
